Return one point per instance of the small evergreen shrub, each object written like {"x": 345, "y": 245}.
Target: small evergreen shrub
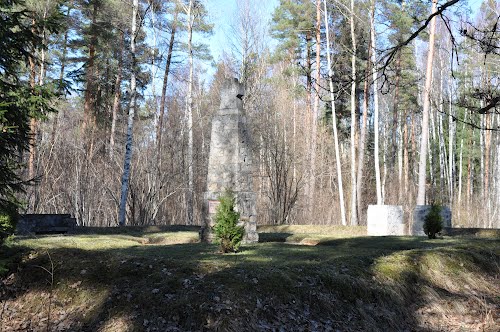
{"x": 8, "y": 220}
{"x": 227, "y": 232}
{"x": 433, "y": 222}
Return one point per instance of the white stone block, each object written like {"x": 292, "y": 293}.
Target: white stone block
{"x": 385, "y": 220}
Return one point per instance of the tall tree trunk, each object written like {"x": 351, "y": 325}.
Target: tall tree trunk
{"x": 362, "y": 136}
{"x": 487, "y": 154}
{"x": 117, "y": 97}
{"x": 422, "y": 165}
{"x": 130, "y": 124}
{"x": 482, "y": 154}
{"x": 307, "y": 115}
{"x": 334, "y": 119}
{"x": 159, "y": 128}
{"x": 314, "y": 133}
{"x": 451, "y": 129}
{"x": 395, "y": 112}
{"x": 33, "y": 121}
{"x": 61, "y": 80}
{"x": 375, "y": 104}
{"x": 89, "y": 95}
{"x": 354, "y": 209}
{"x": 469, "y": 172}
{"x": 496, "y": 197}
{"x": 189, "y": 109}
{"x": 460, "y": 162}
{"x": 406, "y": 161}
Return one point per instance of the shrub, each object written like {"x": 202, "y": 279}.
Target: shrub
{"x": 8, "y": 220}
{"x": 227, "y": 232}
{"x": 433, "y": 222}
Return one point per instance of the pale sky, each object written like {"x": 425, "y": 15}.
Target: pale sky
{"x": 222, "y": 13}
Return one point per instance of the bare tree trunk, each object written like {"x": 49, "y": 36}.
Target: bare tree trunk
{"x": 460, "y": 167}
{"x": 375, "y": 104}
{"x": 406, "y": 160}
{"x": 307, "y": 116}
{"x": 33, "y": 122}
{"x": 362, "y": 138}
{"x": 316, "y": 106}
{"x": 496, "y": 197}
{"x": 89, "y": 96}
{"x": 482, "y": 154}
{"x": 189, "y": 109}
{"x": 451, "y": 137}
{"x": 487, "y": 153}
{"x": 334, "y": 118}
{"x": 399, "y": 147}
{"x": 159, "y": 128}
{"x": 354, "y": 210}
{"x": 130, "y": 123}
{"x": 384, "y": 163}
{"x": 117, "y": 97}
{"x": 61, "y": 80}
{"x": 422, "y": 169}
{"x": 469, "y": 175}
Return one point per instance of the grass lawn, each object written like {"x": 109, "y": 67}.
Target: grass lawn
{"x": 157, "y": 279}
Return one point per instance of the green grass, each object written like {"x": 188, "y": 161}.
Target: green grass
{"x": 135, "y": 279}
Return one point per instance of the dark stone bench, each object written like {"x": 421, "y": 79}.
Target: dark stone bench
{"x": 45, "y": 224}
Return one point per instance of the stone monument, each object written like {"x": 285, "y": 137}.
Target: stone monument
{"x": 230, "y": 164}
{"x": 383, "y": 220}
{"x": 417, "y": 227}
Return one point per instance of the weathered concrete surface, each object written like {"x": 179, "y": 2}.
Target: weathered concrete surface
{"x": 230, "y": 164}
{"x": 45, "y": 223}
{"x": 419, "y": 213}
{"x": 383, "y": 220}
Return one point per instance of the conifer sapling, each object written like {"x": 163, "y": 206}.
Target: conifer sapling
{"x": 227, "y": 232}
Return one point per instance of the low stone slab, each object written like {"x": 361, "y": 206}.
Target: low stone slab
{"x": 383, "y": 220}
{"x": 45, "y": 224}
{"x": 419, "y": 213}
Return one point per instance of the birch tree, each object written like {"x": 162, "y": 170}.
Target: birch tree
{"x": 334, "y": 118}
{"x": 422, "y": 165}
{"x": 189, "y": 115}
{"x": 130, "y": 123}
{"x": 354, "y": 214}
{"x": 375, "y": 102}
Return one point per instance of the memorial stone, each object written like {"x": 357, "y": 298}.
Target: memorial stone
{"x": 419, "y": 213}
{"x": 230, "y": 164}
{"x": 383, "y": 220}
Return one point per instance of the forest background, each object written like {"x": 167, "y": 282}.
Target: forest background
{"x": 340, "y": 95}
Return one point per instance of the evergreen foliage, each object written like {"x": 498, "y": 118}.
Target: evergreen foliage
{"x": 8, "y": 221}
{"x": 433, "y": 222}
{"x": 19, "y": 102}
{"x": 227, "y": 232}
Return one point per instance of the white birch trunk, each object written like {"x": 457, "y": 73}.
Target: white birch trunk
{"x": 496, "y": 197}
{"x": 451, "y": 128}
{"x": 189, "y": 109}
{"x": 482, "y": 150}
{"x": 130, "y": 124}
{"x": 375, "y": 104}
{"x": 354, "y": 214}
{"x": 334, "y": 118}
{"x": 422, "y": 165}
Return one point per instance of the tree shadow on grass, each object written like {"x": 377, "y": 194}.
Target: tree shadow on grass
{"x": 338, "y": 284}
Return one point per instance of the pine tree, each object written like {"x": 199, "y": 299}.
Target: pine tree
{"x": 19, "y": 100}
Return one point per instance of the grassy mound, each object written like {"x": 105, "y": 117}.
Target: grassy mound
{"x": 117, "y": 282}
